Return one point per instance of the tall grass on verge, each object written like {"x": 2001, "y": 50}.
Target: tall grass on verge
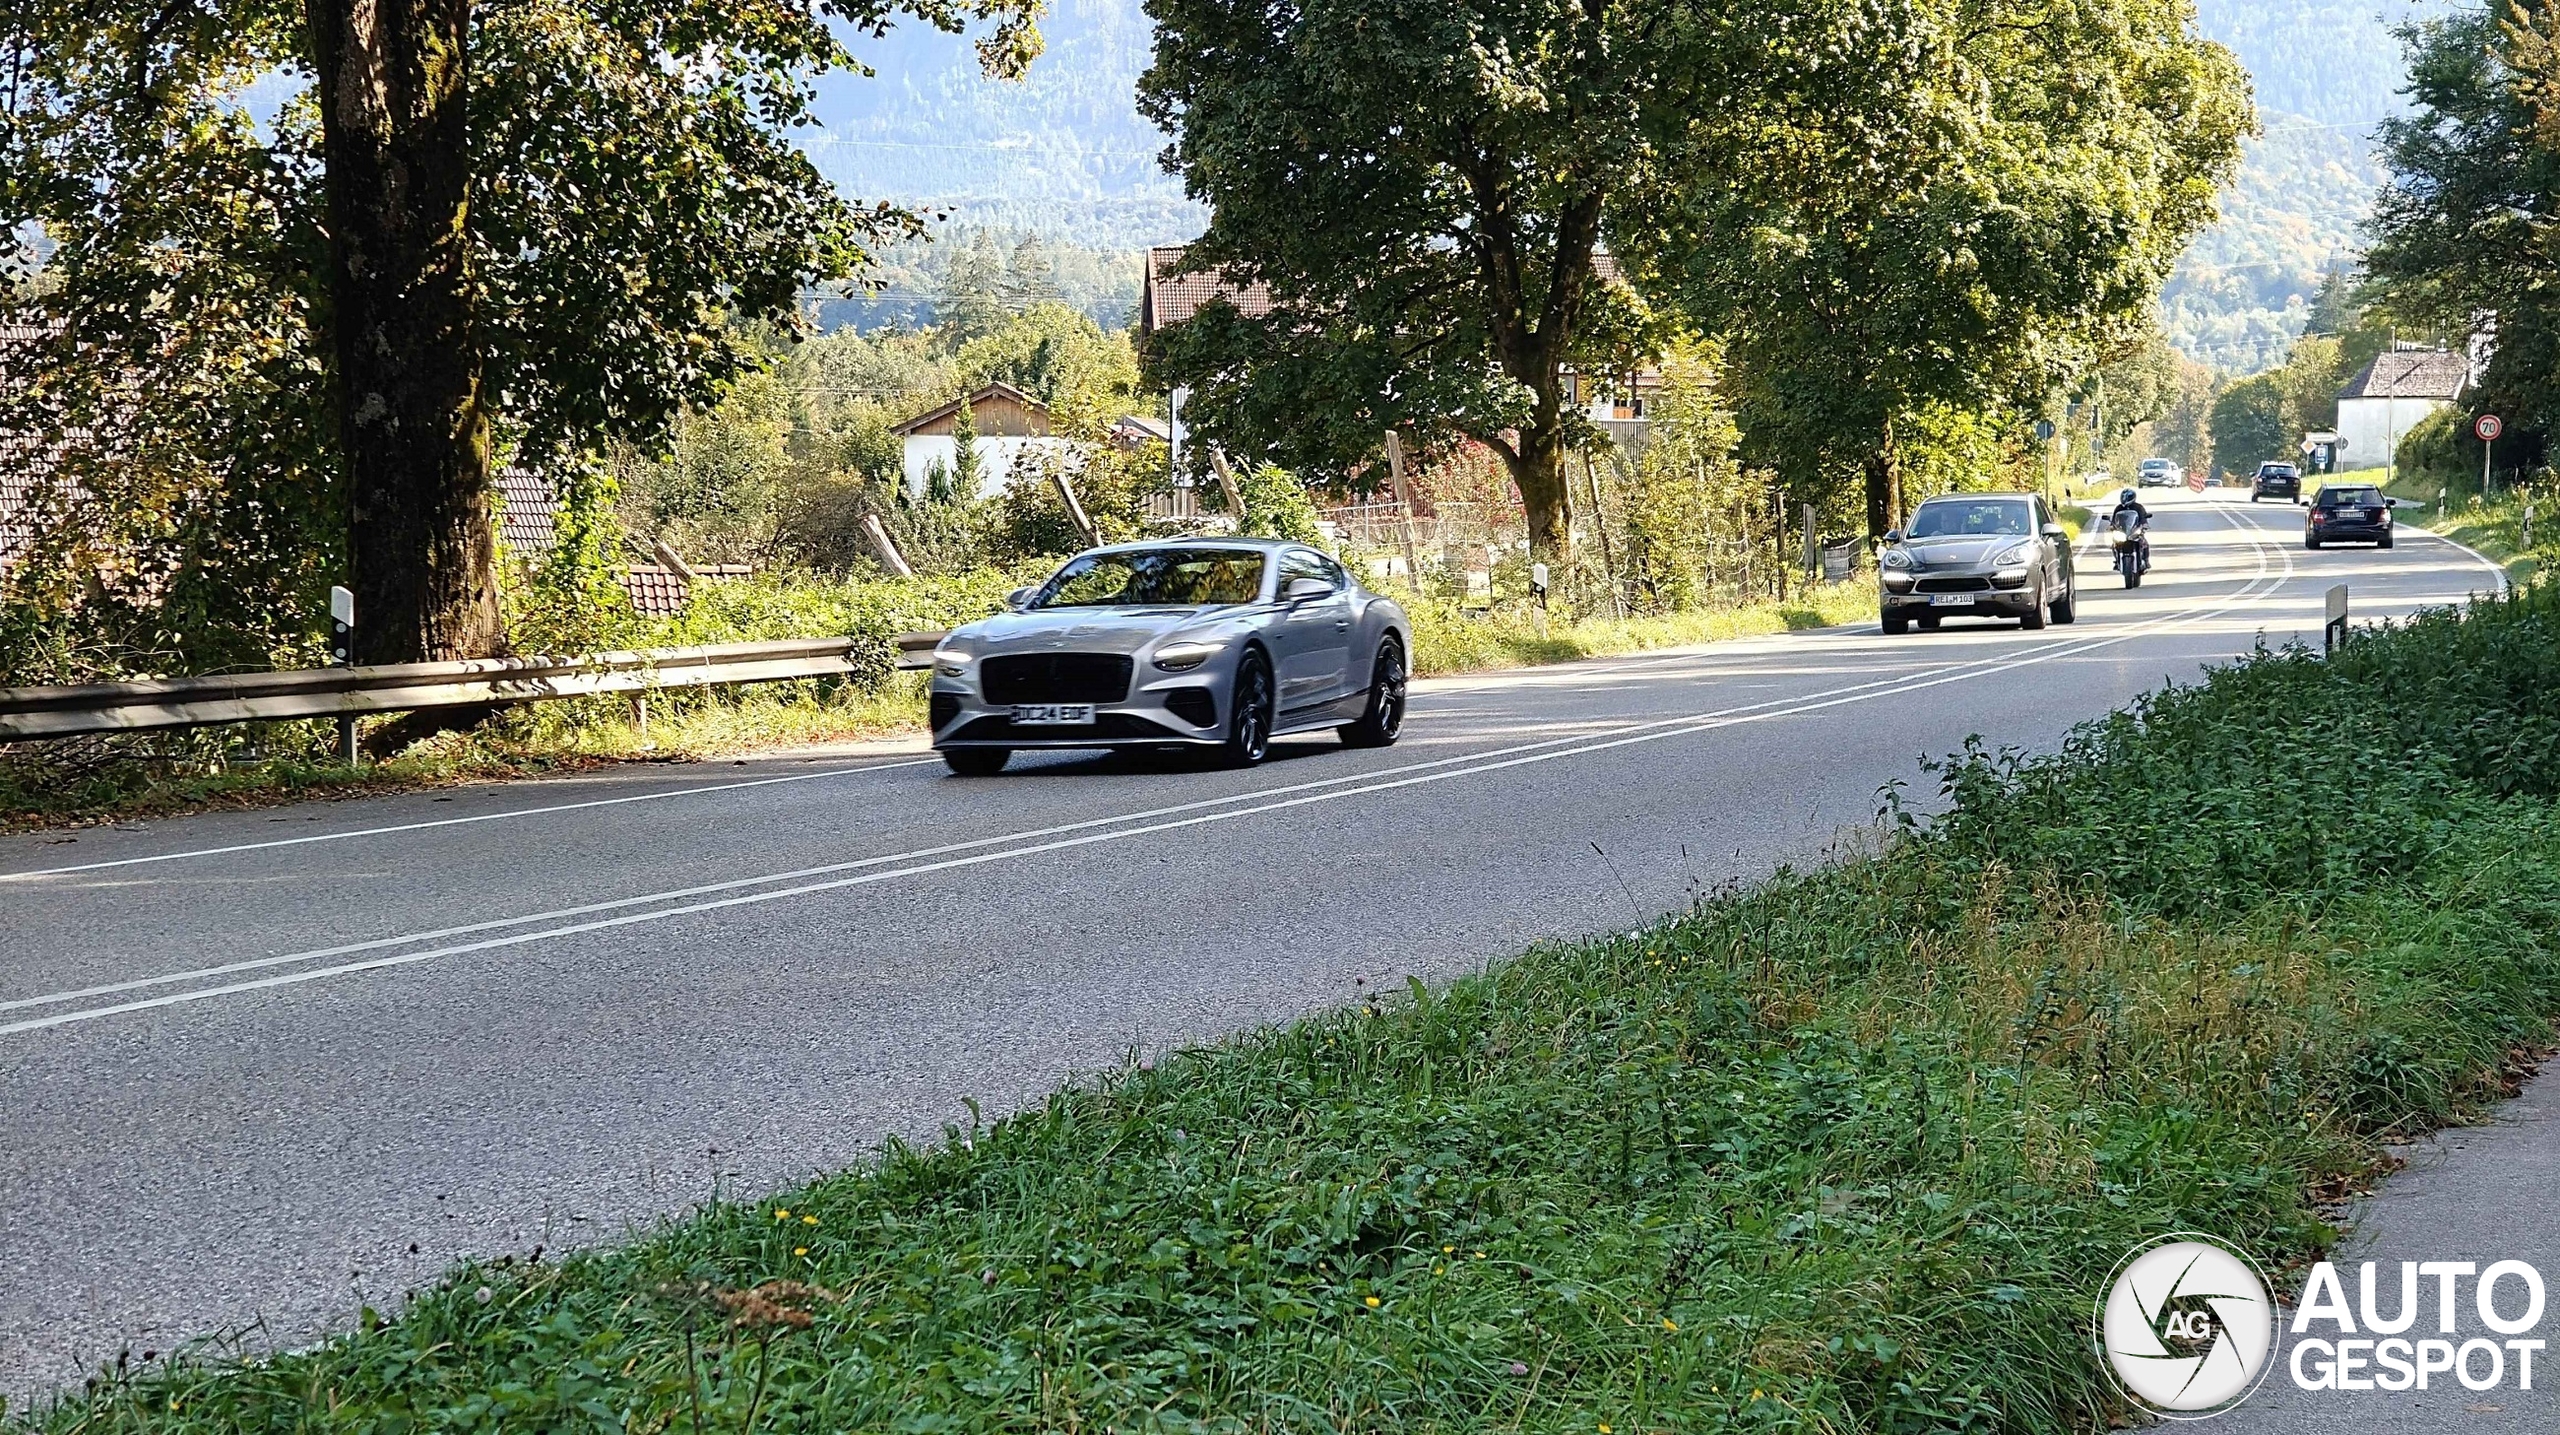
{"x": 1851, "y": 1150}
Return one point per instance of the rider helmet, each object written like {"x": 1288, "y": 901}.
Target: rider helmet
{"x": 2127, "y": 497}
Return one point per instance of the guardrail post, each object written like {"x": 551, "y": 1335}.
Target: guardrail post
{"x": 342, "y": 646}
{"x": 2333, "y": 634}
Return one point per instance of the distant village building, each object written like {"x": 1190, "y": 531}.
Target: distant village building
{"x": 2392, "y": 395}
{"x": 1011, "y": 426}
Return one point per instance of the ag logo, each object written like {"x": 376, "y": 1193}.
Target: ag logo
{"x": 2187, "y": 1326}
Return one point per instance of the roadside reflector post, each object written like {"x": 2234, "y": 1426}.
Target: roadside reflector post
{"x": 342, "y": 650}
{"x": 2334, "y": 633}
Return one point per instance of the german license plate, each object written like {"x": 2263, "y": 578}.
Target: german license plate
{"x": 1951, "y": 600}
{"x": 1053, "y": 714}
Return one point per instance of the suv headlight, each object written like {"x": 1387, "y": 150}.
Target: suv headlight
{"x": 2012, "y": 556}
{"x": 1895, "y": 558}
{"x": 1183, "y": 657}
{"x": 952, "y": 662}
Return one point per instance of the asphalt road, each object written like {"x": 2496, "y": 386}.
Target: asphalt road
{"x": 259, "y": 1068}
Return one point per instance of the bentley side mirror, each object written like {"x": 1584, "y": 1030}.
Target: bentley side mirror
{"x": 1299, "y": 590}
{"x": 1020, "y": 598}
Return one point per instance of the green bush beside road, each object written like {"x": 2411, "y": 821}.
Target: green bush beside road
{"x": 1849, "y": 1150}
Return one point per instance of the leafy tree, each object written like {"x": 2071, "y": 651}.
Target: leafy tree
{"x": 2461, "y": 228}
{"x": 535, "y": 221}
{"x": 2074, "y": 152}
{"x": 1428, "y": 189}
{"x": 2311, "y": 377}
{"x": 2185, "y": 433}
{"x": 2248, "y": 424}
{"x": 1062, "y": 358}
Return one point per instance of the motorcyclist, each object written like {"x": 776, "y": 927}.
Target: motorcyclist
{"x": 2130, "y": 515}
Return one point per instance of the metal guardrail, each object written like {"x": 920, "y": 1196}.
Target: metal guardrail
{"x": 27, "y": 713}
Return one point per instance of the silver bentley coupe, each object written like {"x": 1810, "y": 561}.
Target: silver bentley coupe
{"x": 1217, "y": 645}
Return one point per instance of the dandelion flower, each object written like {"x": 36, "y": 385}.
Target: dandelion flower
{"x": 799, "y": 1250}
{"x": 1448, "y": 1250}
{"x": 1373, "y": 1302}
{"x": 782, "y": 1213}
{"x": 1669, "y": 1324}
{"x": 1604, "y": 1427}
{"x": 808, "y": 1220}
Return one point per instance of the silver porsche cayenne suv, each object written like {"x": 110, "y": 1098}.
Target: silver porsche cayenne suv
{"x": 1992, "y": 555}
{"x": 1218, "y": 645}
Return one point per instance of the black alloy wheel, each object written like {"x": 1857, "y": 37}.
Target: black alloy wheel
{"x": 1249, "y": 730}
{"x": 1383, "y": 719}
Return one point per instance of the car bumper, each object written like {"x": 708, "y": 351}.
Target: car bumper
{"x": 1161, "y": 712}
{"x": 2006, "y": 602}
{"x": 2350, "y": 532}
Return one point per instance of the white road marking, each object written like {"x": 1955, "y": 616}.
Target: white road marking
{"x": 1307, "y": 793}
{"x": 459, "y": 821}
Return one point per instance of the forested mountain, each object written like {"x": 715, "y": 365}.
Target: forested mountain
{"x": 2326, "y": 71}
{"x": 1064, "y": 154}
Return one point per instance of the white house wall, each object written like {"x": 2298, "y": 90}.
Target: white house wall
{"x": 996, "y": 458}
{"x": 2372, "y": 428}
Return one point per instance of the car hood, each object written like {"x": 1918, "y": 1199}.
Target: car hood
{"x": 1964, "y": 552}
{"x": 1087, "y": 630}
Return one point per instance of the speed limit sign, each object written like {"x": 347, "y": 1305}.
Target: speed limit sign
{"x": 2489, "y": 427}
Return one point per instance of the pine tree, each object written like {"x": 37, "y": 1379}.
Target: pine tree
{"x": 964, "y": 456}
{"x": 1033, "y": 280}
{"x": 971, "y": 306}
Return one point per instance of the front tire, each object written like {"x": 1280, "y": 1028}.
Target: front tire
{"x": 1383, "y": 719}
{"x": 1253, "y": 703}
{"x": 976, "y": 761}
{"x": 2066, "y": 608}
{"x": 2033, "y": 618}
{"x": 1896, "y": 624}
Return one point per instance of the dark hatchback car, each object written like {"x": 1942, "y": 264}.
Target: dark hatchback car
{"x": 2277, "y": 480}
{"x": 2348, "y": 513}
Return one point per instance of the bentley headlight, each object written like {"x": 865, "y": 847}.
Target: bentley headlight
{"x": 952, "y": 662}
{"x": 1183, "y": 657}
{"x": 1895, "y": 558}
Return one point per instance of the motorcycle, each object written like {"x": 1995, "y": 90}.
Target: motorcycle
{"x": 2131, "y": 545}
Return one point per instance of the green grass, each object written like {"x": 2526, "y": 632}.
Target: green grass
{"x": 2494, "y": 527}
{"x": 58, "y": 784}
{"x": 1851, "y": 1150}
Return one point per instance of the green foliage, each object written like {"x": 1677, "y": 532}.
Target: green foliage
{"x": 2028, "y": 241}
{"x": 2249, "y": 425}
{"x": 1440, "y": 283}
{"x": 1028, "y": 520}
{"x": 634, "y": 195}
{"x": 1850, "y": 1151}
{"x": 1087, "y": 378}
{"x": 2457, "y": 231}
{"x": 1276, "y": 505}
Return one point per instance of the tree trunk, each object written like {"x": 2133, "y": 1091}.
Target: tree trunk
{"x": 1884, "y": 492}
{"x": 1537, "y": 468}
{"x": 392, "y": 82}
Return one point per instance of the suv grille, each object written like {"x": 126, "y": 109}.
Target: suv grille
{"x": 1955, "y": 585}
{"x": 1057, "y": 677}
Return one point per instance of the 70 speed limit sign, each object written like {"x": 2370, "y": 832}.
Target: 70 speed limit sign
{"x": 2488, "y": 428}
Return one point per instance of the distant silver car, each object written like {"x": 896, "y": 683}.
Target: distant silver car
{"x": 1214, "y": 644}
{"x": 1999, "y": 555}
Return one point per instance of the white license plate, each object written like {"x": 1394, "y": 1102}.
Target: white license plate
{"x": 1053, "y": 714}
{"x": 1951, "y": 600}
